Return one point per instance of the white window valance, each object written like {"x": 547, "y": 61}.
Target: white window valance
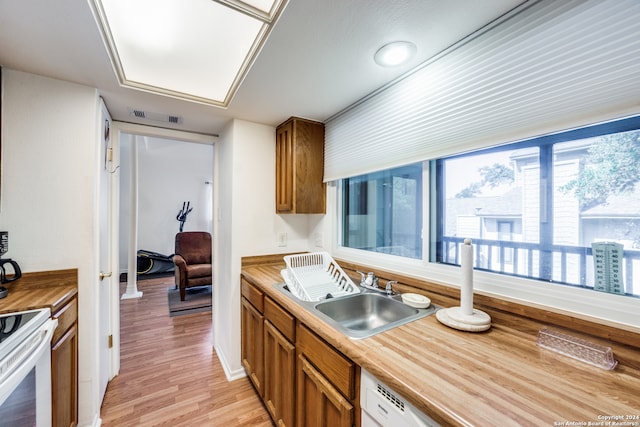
{"x": 548, "y": 67}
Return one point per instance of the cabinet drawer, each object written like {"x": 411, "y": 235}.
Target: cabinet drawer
{"x": 67, "y": 317}
{"x": 333, "y": 365}
{"x": 280, "y": 318}
{"x": 254, "y": 295}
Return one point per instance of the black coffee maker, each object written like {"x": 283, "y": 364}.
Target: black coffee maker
{"x": 9, "y": 269}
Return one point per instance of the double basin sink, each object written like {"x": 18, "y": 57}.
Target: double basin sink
{"x": 364, "y": 314}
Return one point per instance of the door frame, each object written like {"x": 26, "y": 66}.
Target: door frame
{"x": 118, "y": 129}
{"x": 106, "y": 163}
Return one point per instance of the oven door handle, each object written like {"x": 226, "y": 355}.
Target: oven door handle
{"x": 24, "y": 363}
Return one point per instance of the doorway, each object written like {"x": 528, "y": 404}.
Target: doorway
{"x": 160, "y": 175}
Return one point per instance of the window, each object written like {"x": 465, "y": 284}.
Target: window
{"x": 538, "y": 209}
{"x": 563, "y": 208}
{"x": 382, "y": 211}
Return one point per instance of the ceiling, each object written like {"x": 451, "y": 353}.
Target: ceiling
{"x": 317, "y": 60}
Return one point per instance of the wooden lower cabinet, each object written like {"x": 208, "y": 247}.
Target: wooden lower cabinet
{"x": 320, "y": 404}
{"x": 252, "y": 345}
{"x": 64, "y": 367}
{"x": 328, "y": 389}
{"x": 302, "y": 380}
{"x": 279, "y": 378}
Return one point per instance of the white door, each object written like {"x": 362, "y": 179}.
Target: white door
{"x": 107, "y": 278}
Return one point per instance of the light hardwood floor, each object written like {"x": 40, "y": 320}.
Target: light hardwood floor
{"x": 169, "y": 372}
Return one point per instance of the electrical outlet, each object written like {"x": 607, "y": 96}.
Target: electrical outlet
{"x": 282, "y": 239}
{"x": 317, "y": 237}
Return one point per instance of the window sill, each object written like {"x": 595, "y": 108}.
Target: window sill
{"x": 609, "y": 309}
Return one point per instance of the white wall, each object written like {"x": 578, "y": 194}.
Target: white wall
{"x": 48, "y": 196}
{"x": 48, "y": 205}
{"x": 170, "y": 172}
{"x": 247, "y": 225}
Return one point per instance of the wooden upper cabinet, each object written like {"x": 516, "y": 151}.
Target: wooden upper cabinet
{"x": 300, "y": 167}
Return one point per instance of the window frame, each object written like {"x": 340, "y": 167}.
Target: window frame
{"x": 363, "y": 186}
{"x": 597, "y": 306}
{"x": 546, "y": 247}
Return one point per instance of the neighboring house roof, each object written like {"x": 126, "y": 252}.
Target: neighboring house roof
{"x": 509, "y": 205}
{"x": 623, "y": 205}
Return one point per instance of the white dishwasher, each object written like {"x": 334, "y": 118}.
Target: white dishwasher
{"x": 382, "y": 407}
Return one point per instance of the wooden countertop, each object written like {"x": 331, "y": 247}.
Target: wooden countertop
{"x": 497, "y": 377}
{"x": 50, "y": 289}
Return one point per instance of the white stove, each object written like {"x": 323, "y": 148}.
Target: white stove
{"x": 25, "y": 368}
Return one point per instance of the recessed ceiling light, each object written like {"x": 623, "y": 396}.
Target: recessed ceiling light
{"x": 395, "y": 53}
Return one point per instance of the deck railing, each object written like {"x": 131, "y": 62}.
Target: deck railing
{"x": 558, "y": 263}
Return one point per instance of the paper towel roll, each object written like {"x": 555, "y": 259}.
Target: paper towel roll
{"x": 466, "y": 288}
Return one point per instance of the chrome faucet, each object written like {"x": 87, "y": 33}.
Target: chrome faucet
{"x": 369, "y": 281}
{"x": 388, "y": 289}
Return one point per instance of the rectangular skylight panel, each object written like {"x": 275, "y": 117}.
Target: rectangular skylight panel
{"x": 263, "y": 5}
{"x": 197, "y": 48}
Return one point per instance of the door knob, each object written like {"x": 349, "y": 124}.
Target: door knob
{"x": 103, "y": 275}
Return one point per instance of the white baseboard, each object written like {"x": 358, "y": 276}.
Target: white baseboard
{"x": 231, "y": 374}
{"x": 97, "y": 422}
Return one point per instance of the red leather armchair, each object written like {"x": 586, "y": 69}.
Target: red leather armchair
{"x": 193, "y": 260}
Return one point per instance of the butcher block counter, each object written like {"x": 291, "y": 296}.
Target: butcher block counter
{"x": 52, "y": 289}
{"x": 495, "y": 378}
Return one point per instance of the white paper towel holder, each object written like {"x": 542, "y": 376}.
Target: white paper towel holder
{"x": 453, "y": 317}
{"x": 465, "y": 317}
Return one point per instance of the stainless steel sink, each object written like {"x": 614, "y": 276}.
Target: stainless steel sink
{"x": 363, "y": 315}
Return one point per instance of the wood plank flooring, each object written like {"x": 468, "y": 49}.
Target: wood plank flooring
{"x": 169, "y": 372}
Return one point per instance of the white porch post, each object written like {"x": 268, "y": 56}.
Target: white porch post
{"x": 132, "y": 285}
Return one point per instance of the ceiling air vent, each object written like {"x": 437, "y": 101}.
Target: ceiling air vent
{"x": 156, "y": 117}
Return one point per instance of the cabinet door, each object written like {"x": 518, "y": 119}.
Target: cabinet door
{"x": 252, "y": 344}
{"x": 284, "y": 168}
{"x": 319, "y": 403}
{"x": 64, "y": 379}
{"x": 309, "y": 192}
{"x": 279, "y": 375}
